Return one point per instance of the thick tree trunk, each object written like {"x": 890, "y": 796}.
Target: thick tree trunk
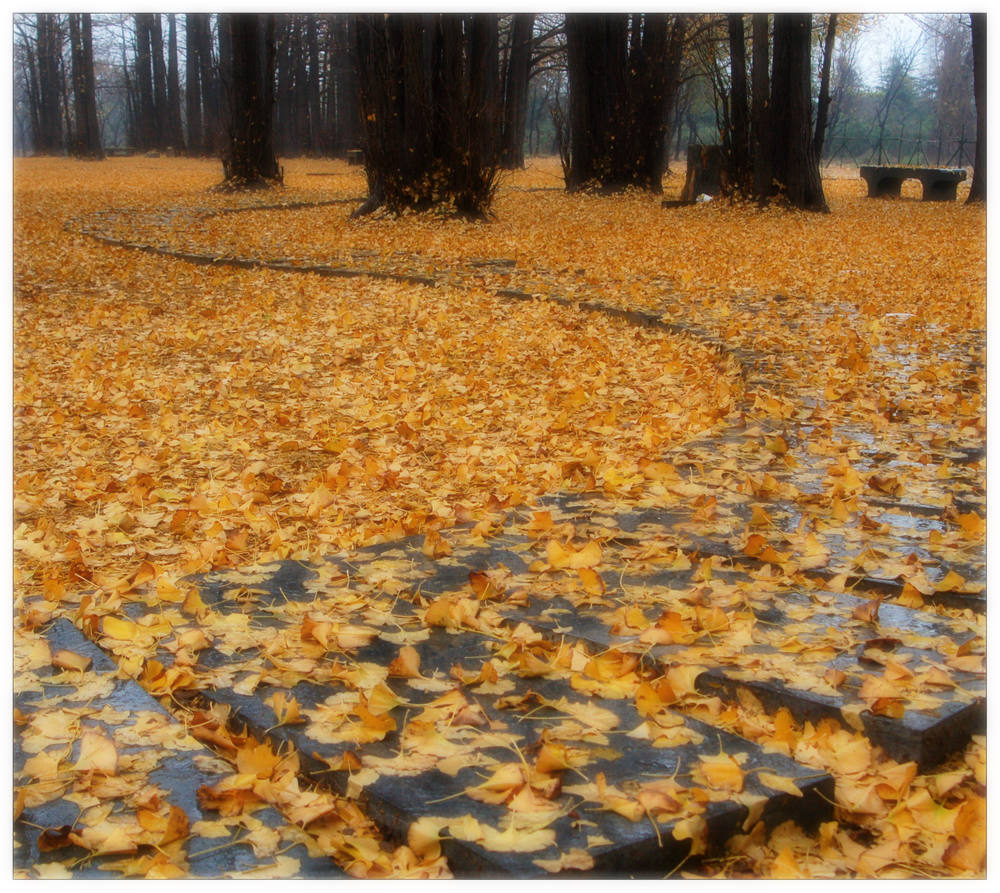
{"x": 760, "y": 119}
{"x": 795, "y": 165}
{"x": 192, "y": 87}
{"x": 175, "y": 131}
{"x": 428, "y": 90}
{"x": 48, "y": 138}
{"x": 516, "y": 92}
{"x": 248, "y": 158}
{"x": 87, "y": 141}
{"x": 977, "y": 191}
{"x": 159, "y": 81}
{"x": 623, "y": 73}
{"x": 738, "y": 142}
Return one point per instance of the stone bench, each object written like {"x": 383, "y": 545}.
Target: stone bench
{"x": 939, "y": 184}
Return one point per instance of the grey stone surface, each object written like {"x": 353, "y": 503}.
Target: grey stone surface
{"x": 179, "y": 774}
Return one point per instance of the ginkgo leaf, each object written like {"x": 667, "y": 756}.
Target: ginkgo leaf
{"x": 97, "y": 753}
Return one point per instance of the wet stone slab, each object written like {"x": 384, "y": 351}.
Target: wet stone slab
{"x": 879, "y": 551}
{"x": 174, "y": 778}
{"x": 499, "y": 744}
{"x": 914, "y": 681}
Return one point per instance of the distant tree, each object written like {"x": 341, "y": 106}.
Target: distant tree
{"x": 517, "y": 72}
{"x": 174, "y": 130}
{"x": 977, "y": 191}
{"x": 897, "y": 86}
{"x": 343, "y": 111}
{"x": 192, "y": 85}
{"x": 623, "y": 76}
{"x": 247, "y": 49}
{"x": 86, "y": 141}
{"x": 430, "y": 108}
{"x": 823, "y": 105}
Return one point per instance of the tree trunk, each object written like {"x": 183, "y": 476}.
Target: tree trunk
{"x": 738, "y": 142}
{"x": 147, "y": 124}
{"x": 823, "y": 105}
{"x": 431, "y": 116}
{"x": 175, "y": 131}
{"x": 343, "y": 115}
{"x": 192, "y": 86}
{"x": 248, "y": 157}
{"x": 48, "y": 139}
{"x": 211, "y": 87}
{"x": 87, "y": 140}
{"x": 159, "y": 82}
{"x": 795, "y": 166}
{"x": 977, "y": 191}
{"x": 300, "y": 95}
{"x": 623, "y": 74}
{"x": 516, "y": 92}
{"x": 760, "y": 120}
{"x": 316, "y": 142}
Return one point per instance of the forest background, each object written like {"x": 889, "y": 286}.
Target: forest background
{"x": 901, "y": 85}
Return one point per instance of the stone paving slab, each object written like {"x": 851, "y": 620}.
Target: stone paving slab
{"x": 145, "y": 777}
{"x": 423, "y": 747}
{"x": 914, "y": 681}
{"x": 879, "y": 551}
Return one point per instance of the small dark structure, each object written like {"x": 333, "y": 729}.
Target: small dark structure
{"x": 939, "y": 184}
{"x": 706, "y": 172}
{"x": 355, "y": 157}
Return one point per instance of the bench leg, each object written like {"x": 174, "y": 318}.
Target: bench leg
{"x": 940, "y": 191}
{"x": 886, "y": 187}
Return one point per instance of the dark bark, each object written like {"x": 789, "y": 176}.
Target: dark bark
{"x": 175, "y": 131}
{"x": 515, "y": 98}
{"x": 192, "y": 86}
{"x": 623, "y": 74}
{"x": 87, "y": 135}
{"x": 211, "y": 86}
{"x": 431, "y": 117}
{"x": 146, "y": 129}
{"x": 738, "y": 142}
{"x": 316, "y": 143}
{"x": 795, "y": 165}
{"x": 977, "y": 190}
{"x": 248, "y": 159}
{"x": 760, "y": 120}
{"x": 345, "y": 117}
{"x": 823, "y": 105}
{"x": 159, "y": 81}
{"x": 300, "y": 96}
{"x": 48, "y": 136}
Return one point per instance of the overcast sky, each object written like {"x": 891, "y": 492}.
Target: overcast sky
{"x": 878, "y": 41}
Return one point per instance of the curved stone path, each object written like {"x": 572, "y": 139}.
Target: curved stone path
{"x": 677, "y": 576}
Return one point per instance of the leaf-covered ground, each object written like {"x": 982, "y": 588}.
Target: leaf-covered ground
{"x": 174, "y": 419}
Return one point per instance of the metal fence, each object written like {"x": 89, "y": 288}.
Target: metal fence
{"x": 902, "y": 149}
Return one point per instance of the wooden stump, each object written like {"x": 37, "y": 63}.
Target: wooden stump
{"x": 706, "y": 172}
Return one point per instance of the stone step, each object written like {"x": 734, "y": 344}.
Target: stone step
{"x": 798, "y": 634}
{"x": 168, "y": 769}
{"x": 482, "y": 722}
